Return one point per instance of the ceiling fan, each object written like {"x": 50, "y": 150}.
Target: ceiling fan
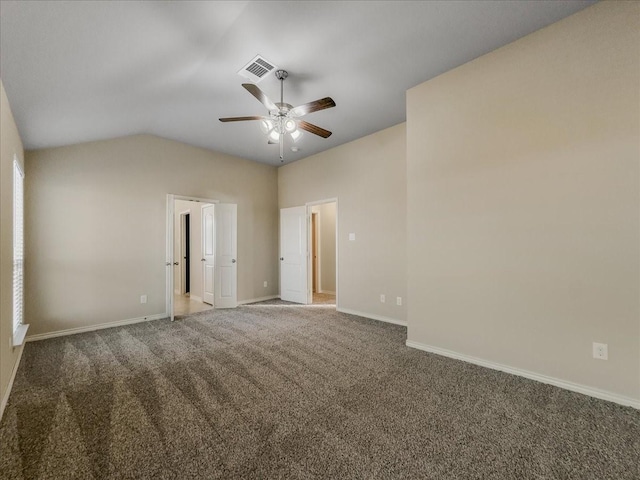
{"x": 283, "y": 118}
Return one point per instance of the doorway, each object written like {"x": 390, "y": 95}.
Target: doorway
{"x": 213, "y": 228}
{"x": 188, "y": 295}
{"x": 314, "y": 252}
{"x": 185, "y": 252}
{"x": 309, "y": 253}
{"x": 323, "y": 248}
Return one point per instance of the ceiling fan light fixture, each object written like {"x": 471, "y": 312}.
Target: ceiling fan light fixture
{"x": 290, "y": 125}
{"x": 274, "y": 135}
{"x": 266, "y": 125}
{"x": 296, "y": 134}
{"x": 282, "y": 117}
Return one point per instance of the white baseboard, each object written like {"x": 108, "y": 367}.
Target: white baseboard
{"x": 259, "y": 299}
{"x": 5, "y": 397}
{"x": 574, "y": 387}
{"x": 373, "y": 316}
{"x": 327, "y": 292}
{"x": 91, "y": 328}
{"x": 196, "y": 298}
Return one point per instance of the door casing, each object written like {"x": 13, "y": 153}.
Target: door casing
{"x": 169, "y": 254}
{"x": 309, "y": 206}
{"x": 208, "y": 254}
{"x": 183, "y": 253}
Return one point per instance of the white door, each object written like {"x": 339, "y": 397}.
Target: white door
{"x": 208, "y": 253}
{"x": 169, "y": 255}
{"x": 293, "y": 254}
{"x": 226, "y": 248}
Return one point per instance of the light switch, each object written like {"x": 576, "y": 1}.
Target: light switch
{"x": 352, "y": 237}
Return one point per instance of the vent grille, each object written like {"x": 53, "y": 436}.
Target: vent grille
{"x": 257, "y": 69}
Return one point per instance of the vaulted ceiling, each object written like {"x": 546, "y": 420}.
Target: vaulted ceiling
{"x": 80, "y": 71}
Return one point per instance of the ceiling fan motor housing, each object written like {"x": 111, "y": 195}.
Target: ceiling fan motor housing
{"x": 281, "y": 74}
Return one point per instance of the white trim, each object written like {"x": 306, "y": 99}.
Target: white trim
{"x": 326, "y": 291}
{"x": 91, "y": 328}
{"x": 169, "y": 254}
{"x": 373, "y": 316}
{"x": 574, "y": 387}
{"x": 18, "y": 250}
{"x": 318, "y": 260}
{"x": 259, "y": 299}
{"x": 196, "y": 298}
{"x": 19, "y": 334}
{"x": 7, "y": 393}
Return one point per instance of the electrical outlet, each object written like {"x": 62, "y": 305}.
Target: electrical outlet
{"x": 265, "y": 284}
{"x": 600, "y": 351}
{"x": 383, "y": 298}
{"x": 143, "y": 299}
{"x": 398, "y": 300}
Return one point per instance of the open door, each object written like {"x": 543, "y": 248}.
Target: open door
{"x": 169, "y": 255}
{"x": 293, "y": 254}
{"x": 226, "y": 265}
{"x": 208, "y": 254}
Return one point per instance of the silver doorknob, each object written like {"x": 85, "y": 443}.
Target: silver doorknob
{"x": 203, "y": 259}
{"x": 176, "y": 263}
{"x": 233, "y": 260}
{"x": 281, "y": 258}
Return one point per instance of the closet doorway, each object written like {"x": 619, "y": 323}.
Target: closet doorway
{"x": 323, "y": 248}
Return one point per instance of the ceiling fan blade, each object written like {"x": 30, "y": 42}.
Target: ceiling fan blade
{"x": 240, "y": 119}
{"x": 311, "y": 107}
{"x": 311, "y": 128}
{"x": 260, "y": 95}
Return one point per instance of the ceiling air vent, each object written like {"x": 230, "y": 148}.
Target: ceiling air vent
{"x": 257, "y": 69}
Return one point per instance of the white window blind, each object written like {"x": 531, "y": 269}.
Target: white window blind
{"x": 18, "y": 247}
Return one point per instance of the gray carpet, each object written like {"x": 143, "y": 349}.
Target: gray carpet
{"x": 280, "y": 391}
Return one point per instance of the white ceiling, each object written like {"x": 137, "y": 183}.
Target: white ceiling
{"x": 79, "y": 71}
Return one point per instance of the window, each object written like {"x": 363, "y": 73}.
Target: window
{"x": 19, "y": 329}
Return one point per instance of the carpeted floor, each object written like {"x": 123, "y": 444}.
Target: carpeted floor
{"x": 269, "y": 391}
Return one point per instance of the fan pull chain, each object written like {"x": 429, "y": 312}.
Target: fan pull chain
{"x": 282, "y": 147}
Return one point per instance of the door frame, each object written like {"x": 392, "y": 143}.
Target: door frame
{"x": 315, "y": 249}
{"x": 169, "y": 254}
{"x": 202, "y": 250}
{"x": 309, "y": 205}
{"x": 183, "y": 267}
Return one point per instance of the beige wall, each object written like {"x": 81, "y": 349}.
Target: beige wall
{"x": 96, "y": 226}
{"x": 368, "y": 177}
{"x": 10, "y": 145}
{"x": 523, "y": 203}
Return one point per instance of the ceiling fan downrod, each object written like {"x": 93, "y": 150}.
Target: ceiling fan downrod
{"x": 281, "y": 75}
